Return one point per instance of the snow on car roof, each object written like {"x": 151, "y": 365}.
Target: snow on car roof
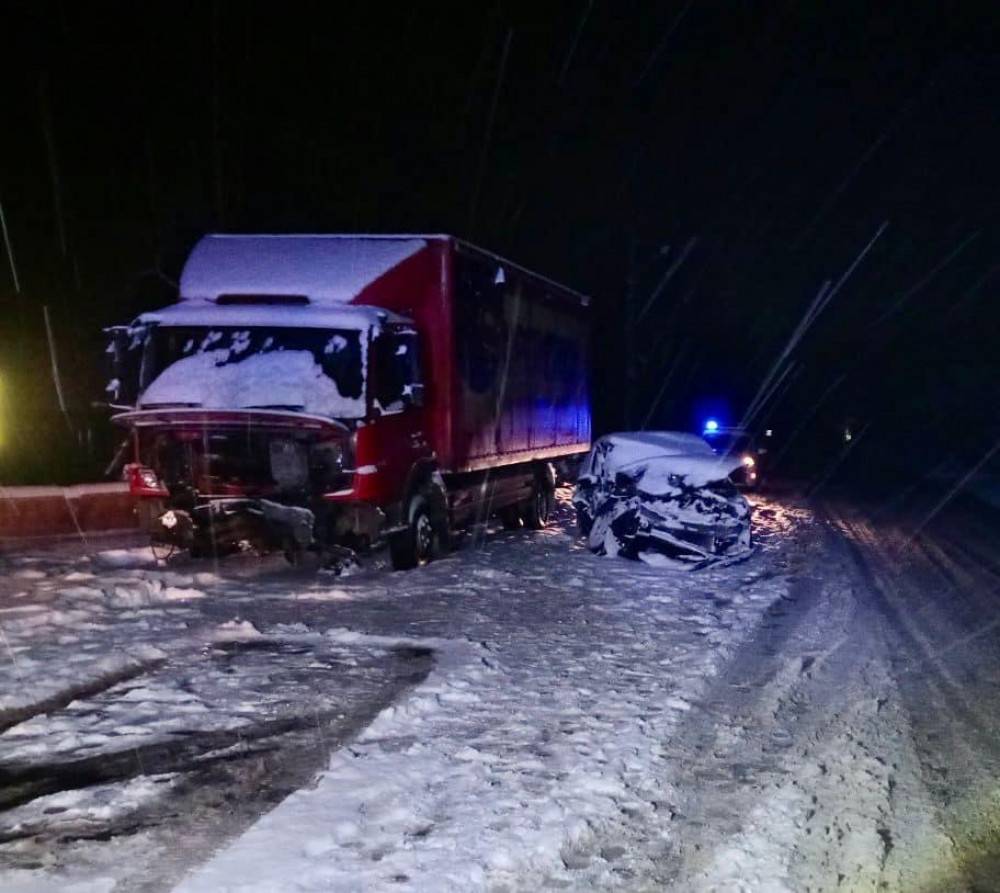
{"x": 638, "y": 445}
{"x": 324, "y": 316}
{"x": 323, "y": 268}
{"x": 685, "y": 455}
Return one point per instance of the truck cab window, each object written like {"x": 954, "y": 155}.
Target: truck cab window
{"x": 395, "y": 371}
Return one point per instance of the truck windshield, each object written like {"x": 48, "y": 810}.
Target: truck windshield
{"x": 336, "y": 351}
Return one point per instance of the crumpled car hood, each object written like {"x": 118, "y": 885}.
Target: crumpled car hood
{"x": 664, "y": 491}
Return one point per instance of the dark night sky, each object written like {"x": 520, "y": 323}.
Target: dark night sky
{"x": 777, "y": 136}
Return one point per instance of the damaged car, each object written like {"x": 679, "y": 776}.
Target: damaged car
{"x": 661, "y": 496}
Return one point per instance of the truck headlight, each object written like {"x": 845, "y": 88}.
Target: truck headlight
{"x": 144, "y": 481}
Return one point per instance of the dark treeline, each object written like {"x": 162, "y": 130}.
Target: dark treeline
{"x": 701, "y": 169}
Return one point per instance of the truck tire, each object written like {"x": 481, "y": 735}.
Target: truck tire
{"x": 510, "y": 517}
{"x": 423, "y": 539}
{"x": 536, "y": 511}
{"x": 293, "y": 552}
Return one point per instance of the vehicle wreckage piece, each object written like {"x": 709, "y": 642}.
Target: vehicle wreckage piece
{"x": 661, "y": 493}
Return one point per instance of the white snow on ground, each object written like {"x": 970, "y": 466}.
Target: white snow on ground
{"x": 520, "y": 744}
{"x": 76, "y": 810}
{"x": 121, "y": 558}
{"x": 85, "y": 630}
{"x": 42, "y": 674}
{"x": 30, "y": 882}
{"x": 236, "y": 631}
{"x": 561, "y": 688}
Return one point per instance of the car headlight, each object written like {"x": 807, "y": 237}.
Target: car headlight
{"x": 749, "y": 461}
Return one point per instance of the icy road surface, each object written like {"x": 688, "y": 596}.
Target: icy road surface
{"x": 520, "y": 716}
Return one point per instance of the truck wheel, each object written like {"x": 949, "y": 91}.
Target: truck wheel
{"x": 422, "y": 541}
{"x": 293, "y": 552}
{"x": 510, "y": 517}
{"x": 535, "y": 513}
{"x": 203, "y": 546}
{"x": 162, "y": 551}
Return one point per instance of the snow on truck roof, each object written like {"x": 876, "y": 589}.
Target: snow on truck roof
{"x": 322, "y": 268}
{"x": 324, "y": 316}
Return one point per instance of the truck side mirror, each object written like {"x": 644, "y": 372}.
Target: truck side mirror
{"x": 119, "y": 387}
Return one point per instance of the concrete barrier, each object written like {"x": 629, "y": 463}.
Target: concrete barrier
{"x": 27, "y": 512}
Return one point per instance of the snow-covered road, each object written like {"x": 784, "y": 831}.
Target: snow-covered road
{"x": 520, "y": 716}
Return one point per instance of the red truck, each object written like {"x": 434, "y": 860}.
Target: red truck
{"x": 310, "y": 392}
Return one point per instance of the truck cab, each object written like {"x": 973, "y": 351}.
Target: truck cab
{"x": 247, "y": 409}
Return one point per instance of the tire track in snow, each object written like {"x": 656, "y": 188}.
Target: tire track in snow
{"x": 222, "y": 778}
{"x": 782, "y": 776}
{"x": 131, "y": 668}
{"x": 944, "y": 660}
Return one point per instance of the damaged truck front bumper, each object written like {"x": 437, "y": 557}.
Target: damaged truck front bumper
{"x": 219, "y": 526}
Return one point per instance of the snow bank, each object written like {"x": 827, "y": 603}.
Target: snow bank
{"x": 141, "y": 556}
{"x": 75, "y": 676}
{"x": 80, "y": 809}
{"x": 27, "y": 881}
{"x": 236, "y": 631}
{"x": 279, "y": 378}
{"x": 145, "y": 593}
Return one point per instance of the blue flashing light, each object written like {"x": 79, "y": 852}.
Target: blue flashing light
{"x": 711, "y": 426}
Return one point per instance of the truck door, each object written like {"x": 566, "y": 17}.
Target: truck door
{"x": 395, "y": 439}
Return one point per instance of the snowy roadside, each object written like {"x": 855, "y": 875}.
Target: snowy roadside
{"x": 71, "y": 628}
{"x": 136, "y": 703}
{"x": 548, "y": 718}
